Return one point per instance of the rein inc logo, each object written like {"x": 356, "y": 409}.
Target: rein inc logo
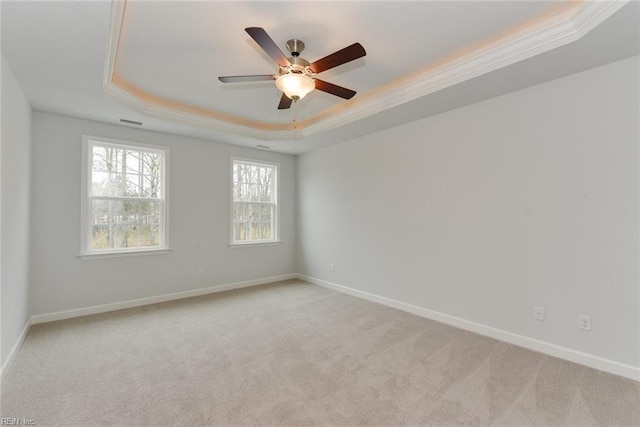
{"x": 17, "y": 422}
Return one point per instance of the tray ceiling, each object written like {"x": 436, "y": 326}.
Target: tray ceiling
{"x": 162, "y": 59}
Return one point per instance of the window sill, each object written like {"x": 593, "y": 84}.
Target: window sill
{"x": 253, "y": 244}
{"x": 142, "y": 252}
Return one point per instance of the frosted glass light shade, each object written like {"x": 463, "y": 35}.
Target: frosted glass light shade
{"x": 295, "y": 86}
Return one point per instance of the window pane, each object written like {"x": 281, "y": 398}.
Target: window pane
{"x": 151, "y": 186}
{"x": 100, "y": 237}
{"x": 132, "y": 186}
{"x": 130, "y": 213}
{"x": 266, "y": 220}
{"x": 149, "y": 235}
{"x": 104, "y": 184}
{"x": 240, "y": 219}
{"x": 150, "y": 212}
{"x": 152, "y": 175}
{"x": 99, "y": 159}
{"x": 100, "y": 212}
{"x": 133, "y": 162}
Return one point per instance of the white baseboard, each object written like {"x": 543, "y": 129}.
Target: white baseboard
{"x": 565, "y": 353}
{"x": 96, "y": 309}
{"x": 14, "y": 351}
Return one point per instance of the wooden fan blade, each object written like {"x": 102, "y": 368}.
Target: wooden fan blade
{"x": 285, "y": 102}
{"x": 340, "y": 57}
{"x": 241, "y": 79}
{"x": 268, "y": 45}
{"x": 336, "y": 90}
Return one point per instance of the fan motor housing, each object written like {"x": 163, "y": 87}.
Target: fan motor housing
{"x": 298, "y": 65}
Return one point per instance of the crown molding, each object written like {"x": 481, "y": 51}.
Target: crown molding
{"x": 549, "y": 34}
{"x": 115, "y": 31}
{"x": 593, "y": 13}
{"x": 540, "y": 35}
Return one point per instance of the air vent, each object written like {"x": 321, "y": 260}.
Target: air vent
{"x": 266, "y": 147}
{"x": 130, "y": 122}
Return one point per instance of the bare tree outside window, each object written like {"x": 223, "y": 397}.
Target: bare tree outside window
{"x": 254, "y": 202}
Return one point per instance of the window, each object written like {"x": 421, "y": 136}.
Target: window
{"x": 124, "y": 197}
{"x": 254, "y": 217}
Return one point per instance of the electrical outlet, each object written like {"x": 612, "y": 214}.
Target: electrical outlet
{"x": 332, "y": 268}
{"x": 538, "y": 313}
{"x": 584, "y": 322}
{"x": 201, "y": 272}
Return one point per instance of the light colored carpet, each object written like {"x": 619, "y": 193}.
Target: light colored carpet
{"x": 296, "y": 354}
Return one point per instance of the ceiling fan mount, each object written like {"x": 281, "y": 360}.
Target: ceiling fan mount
{"x": 296, "y": 77}
{"x": 295, "y": 47}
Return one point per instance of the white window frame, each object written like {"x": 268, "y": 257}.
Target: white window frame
{"x": 85, "y": 208}
{"x": 276, "y": 223}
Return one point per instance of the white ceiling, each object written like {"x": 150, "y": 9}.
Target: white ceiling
{"x": 422, "y": 58}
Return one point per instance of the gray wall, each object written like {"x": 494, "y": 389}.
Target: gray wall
{"x": 199, "y": 221}
{"x": 528, "y": 199}
{"x": 15, "y": 155}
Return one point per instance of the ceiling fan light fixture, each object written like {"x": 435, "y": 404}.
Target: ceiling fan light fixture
{"x": 295, "y": 85}
{"x": 297, "y": 75}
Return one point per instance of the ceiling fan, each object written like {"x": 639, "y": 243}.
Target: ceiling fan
{"x": 297, "y": 75}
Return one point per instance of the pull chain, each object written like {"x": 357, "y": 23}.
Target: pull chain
{"x": 295, "y": 124}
